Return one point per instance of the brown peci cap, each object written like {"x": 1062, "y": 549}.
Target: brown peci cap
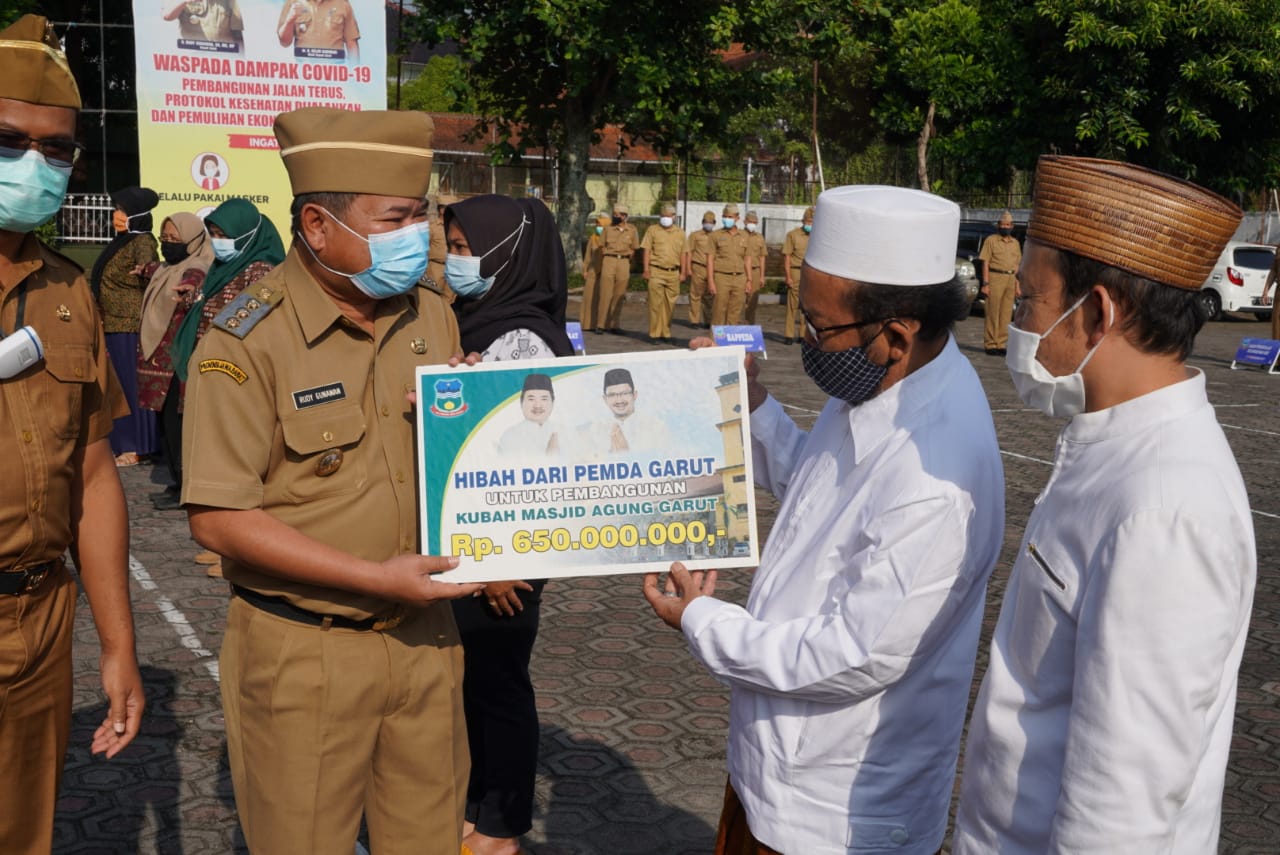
{"x": 35, "y": 68}
{"x": 619, "y": 208}
{"x": 709, "y": 217}
{"x": 808, "y": 215}
{"x": 668, "y": 209}
{"x": 380, "y": 152}
{"x": 1140, "y": 221}
{"x": 731, "y": 209}
{"x": 752, "y": 217}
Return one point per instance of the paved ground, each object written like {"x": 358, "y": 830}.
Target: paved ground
{"x": 632, "y": 732}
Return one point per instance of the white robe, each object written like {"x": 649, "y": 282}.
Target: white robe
{"x": 1104, "y": 720}
{"x": 851, "y": 666}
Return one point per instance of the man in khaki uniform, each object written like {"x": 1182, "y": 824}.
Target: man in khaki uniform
{"x": 62, "y": 491}
{"x": 794, "y": 247}
{"x": 998, "y": 265}
{"x": 729, "y": 269}
{"x": 320, "y": 29}
{"x": 207, "y": 20}
{"x": 663, "y": 246}
{"x": 341, "y": 664}
{"x": 757, "y": 254}
{"x": 593, "y": 314}
{"x": 621, "y": 240}
{"x": 697, "y": 247}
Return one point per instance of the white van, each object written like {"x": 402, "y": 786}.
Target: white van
{"x": 1235, "y": 285}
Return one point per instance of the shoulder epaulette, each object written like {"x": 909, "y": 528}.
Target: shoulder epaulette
{"x": 50, "y": 251}
{"x": 431, "y": 285}
{"x": 246, "y": 310}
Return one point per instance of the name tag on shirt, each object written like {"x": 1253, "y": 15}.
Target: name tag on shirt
{"x": 304, "y": 398}
{"x": 750, "y": 337}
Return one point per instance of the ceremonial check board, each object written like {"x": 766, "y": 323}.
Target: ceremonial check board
{"x": 587, "y": 466}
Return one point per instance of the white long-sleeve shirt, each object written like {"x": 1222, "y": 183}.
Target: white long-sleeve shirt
{"x": 1104, "y": 720}
{"x": 850, "y": 667}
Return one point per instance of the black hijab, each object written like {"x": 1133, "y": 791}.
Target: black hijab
{"x": 133, "y": 201}
{"x": 530, "y": 290}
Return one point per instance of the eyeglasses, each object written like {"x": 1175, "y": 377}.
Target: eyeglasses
{"x": 618, "y": 396}
{"x": 60, "y": 152}
{"x": 816, "y": 333}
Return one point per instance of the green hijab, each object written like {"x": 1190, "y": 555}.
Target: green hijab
{"x": 257, "y": 240}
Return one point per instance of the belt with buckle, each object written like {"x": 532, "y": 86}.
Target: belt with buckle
{"x": 660, "y": 267}
{"x": 616, "y": 255}
{"x": 728, "y": 273}
{"x": 1005, "y": 272}
{"x": 28, "y": 579}
{"x": 283, "y": 608}
{"x": 699, "y": 263}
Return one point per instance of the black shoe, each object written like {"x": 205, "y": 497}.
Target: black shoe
{"x": 165, "y": 501}
{"x": 788, "y": 340}
{"x": 994, "y": 351}
{"x": 653, "y": 340}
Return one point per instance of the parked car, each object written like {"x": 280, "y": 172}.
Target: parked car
{"x": 969, "y": 244}
{"x": 1235, "y": 284}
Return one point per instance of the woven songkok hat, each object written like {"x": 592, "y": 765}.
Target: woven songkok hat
{"x": 884, "y": 235}
{"x": 380, "y": 152}
{"x": 1140, "y": 221}
{"x": 35, "y": 68}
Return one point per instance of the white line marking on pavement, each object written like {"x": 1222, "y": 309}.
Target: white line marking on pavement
{"x": 186, "y": 632}
{"x": 1015, "y": 410}
{"x": 1223, "y": 406}
{"x": 1250, "y": 430}
{"x": 1025, "y": 457}
{"x": 1268, "y": 516}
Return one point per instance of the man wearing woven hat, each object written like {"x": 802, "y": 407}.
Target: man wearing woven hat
{"x": 728, "y": 269}
{"x": 341, "y": 663}
{"x": 58, "y": 396}
{"x": 850, "y": 667}
{"x": 998, "y": 263}
{"x": 619, "y": 242}
{"x": 697, "y": 247}
{"x": 793, "y": 249}
{"x": 1104, "y": 719}
{"x": 663, "y": 245}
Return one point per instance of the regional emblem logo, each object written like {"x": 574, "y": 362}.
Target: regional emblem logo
{"x": 449, "y": 401}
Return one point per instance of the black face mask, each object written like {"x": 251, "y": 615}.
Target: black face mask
{"x": 617, "y": 221}
{"x": 1005, "y": 230}
{"x": 174, "y": 251}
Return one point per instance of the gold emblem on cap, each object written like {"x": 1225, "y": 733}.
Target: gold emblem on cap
{"x": 419, "y": 345}
{"x": 64, "y": 314}
{"x": 329, "y": 462}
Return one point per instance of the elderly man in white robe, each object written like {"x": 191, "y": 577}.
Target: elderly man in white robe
{"x": 1104, "y": 720}
{"x": 851, "y": 665}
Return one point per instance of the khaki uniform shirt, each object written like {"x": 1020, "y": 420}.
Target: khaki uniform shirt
{"x": 663, "y": 247}
{"x": 757, "y": 252}
{"x": 732, "y": 251}
{"x": 698, "y": 244}
{"x": 1001, "y": 254}
{"x": 325, "y": 24}
{"x": 621, "y": 240}
{"x": 59, "y": 405}
{"x": 270, "y": 414}
{"x": 794, "y": 246}
{"x": 594, "y": 253}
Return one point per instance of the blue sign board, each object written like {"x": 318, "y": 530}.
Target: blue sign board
{"x": 574, "y": 329}
{"x": 750, "y": 337}
{"x": 1264, "y": 352}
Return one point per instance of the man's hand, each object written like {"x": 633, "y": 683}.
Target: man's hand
{"x": 123, "y": 686}
{"x": 984, "y": 289}
{"x": 682, "y": 588}
{"x": 756, "y": 392}
{"x": 503, "y": 598}
{"x": 408, "y": 580}
{"x": 711, "y": 287}
{"x": 471, "y": 358}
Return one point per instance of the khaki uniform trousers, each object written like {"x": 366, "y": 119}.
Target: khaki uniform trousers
{"x": 664, "y": 287}
{"x": 792, "y": 326}
{"x": 326, "y": 724}
{"x": 699, "y": 297}
{"x": 35, "y": 710}
{"x": 752, "y": 303}
{"x": 614, "y": 273}
{"x": 730, "y": 294}
{"x": 995, "y": 332}
{"x": 595, "y": 308}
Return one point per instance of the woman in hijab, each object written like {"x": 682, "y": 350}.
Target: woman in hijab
{"x": 173, "y": 284}
{"x": 117, "y": 282}
{"x": 506, "y": 266}
{"x": 245, "y": 246}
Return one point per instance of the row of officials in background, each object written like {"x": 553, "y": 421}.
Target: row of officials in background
{"x": 724, "y": 268}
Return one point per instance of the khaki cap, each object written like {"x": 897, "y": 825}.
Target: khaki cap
{"x": 731, "y": 210}
{"x": 619, "y": 208}
{"x": 752, "y": 217}
{"x": 380, "y": 152}
{"x": 1140, "y": 221}
{"x": 35, "y": 68}
{"x": 668, "y": 209}
{"x": 1006, "y": 219}
{"x": 807, "y": 216}
{"x": 709, "y": 217}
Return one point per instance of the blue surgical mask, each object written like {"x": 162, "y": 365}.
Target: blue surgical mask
{"x": 31, "y": 191}
{"x": 225, "y": 249}
{"x": 707, "y": 227}
{"x": 808, "y": 227}
{"x": 462, "y": 272}
{"x": 599, "y": 230}
{"x": 848, "y": 375}
{"x": 728, "y": 222}
{"x": 397, "y": 259}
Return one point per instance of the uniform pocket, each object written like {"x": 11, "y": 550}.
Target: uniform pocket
{"x": 322, "y": 451}
{"x": 68, "y": 367}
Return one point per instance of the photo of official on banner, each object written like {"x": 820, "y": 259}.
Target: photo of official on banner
{"x": 587, "y": 466}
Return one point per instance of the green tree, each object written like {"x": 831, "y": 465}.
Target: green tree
{"x": 555, "y": 73}
{"x": 441, "y": 87}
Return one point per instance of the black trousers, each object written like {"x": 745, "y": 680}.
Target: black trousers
{"x": 171, "y": 431}
{"x": 502, "y": 720}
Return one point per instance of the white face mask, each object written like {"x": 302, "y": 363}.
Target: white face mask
{"x": 1057, "y": 397}
{"x": 666, "y": 222}
{"x": 753, "y": 228}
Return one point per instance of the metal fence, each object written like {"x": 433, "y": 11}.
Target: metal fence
{"x": 85, "y": 218}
